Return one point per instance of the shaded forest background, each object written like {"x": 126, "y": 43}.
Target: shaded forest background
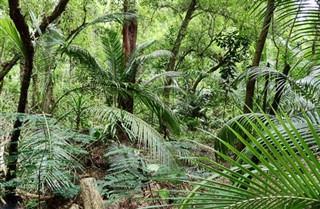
{"x": 159, "y": 104}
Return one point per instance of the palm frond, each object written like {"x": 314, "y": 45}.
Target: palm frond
{"x": 287, "y": 176}
{"x": 9, "y": 30}
{"x": 164, "y": 114}
{"x": 47, "y": 153}
{"x": 114, "y": 53}
{"x": 127, "y": 173}
{"x": 85, "y": 58}
{"x": 161, "y": 75}
{"x": 146, "y": 136}
{"x": 136, "y": 59}
{"x": 307, "y": 87}
{"x": 226, "y": 133}
{"x": 298, "y": 16}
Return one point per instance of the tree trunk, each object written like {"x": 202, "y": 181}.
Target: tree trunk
{"x": 22, "y": 27}
{"x": 257, "y": 56}
{"x": 279, "y": 90}
{"x": 129, "y": 36}
{"x": 48, "y": 94}
{"x": 176, "y": 46}
{"x": 250, "y": 87}
{"x": 23, "y": 30}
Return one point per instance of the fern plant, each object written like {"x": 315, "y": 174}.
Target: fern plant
{"x": 127, "y": 176}
{"x": 48, "y": 158}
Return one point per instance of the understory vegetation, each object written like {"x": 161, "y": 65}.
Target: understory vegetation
{"x": 160, "y": 104}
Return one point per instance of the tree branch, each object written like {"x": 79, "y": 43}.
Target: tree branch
{"x": 54, "y": 15}
{"x": 7, "y": 66}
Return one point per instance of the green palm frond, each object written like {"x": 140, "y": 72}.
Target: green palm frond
{"x": 114, "y": 53}
{"x": 136, "y": 59}
{"x": 226, "y": 133}
{"x": 164, "y": 75}
{"x": 312, "y": 115}
{"x": 307, "y": 87}
{"x": 127, "y": 173}
{"x": 146, "y": 136}
{"x": 48, "y": 154}
{"x": 85, "y": 58}
{"x": 287, "y": 177}
{"x": 164, "y": 114}
{"x": 300, "y": 17}
{"x": 47, "y": 48}
{"x": 155, "y": 54}
{"x": 9, "y": 30}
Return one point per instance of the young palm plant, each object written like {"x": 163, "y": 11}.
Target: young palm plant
{"x": 111, "y": 77}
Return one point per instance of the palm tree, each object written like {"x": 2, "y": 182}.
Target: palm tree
{"x": 112, "y": 77}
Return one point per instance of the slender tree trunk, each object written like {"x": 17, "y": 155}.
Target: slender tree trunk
{"x": 265, "y": 94}
{"x": 279, "y": 89}
{"x": 129, "y": 36}
{"x": 176, "y": 46}
{"x": 257, "y": 56}
{"x": 34, "y": 96}
{"x": 23, "y": 30}
{"x": 22, "y": 27}
{"x": 48, "y": 100}
{"x": 250, "y": 87}
{"x": 1, "y": 87}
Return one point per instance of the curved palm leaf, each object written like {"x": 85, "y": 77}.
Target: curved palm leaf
{"x": 287, "y": 176}
{"x": 307, "y": 87}
{"x": 85, "y": 58}
{"x": 298, "y": 16}
{"x": 146, "y": 136}
{"x": 9, "y": 29}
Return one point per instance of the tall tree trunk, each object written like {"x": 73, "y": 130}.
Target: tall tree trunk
{"x": 22, "y": 27}
{"x": 176, "y": 46}
{"x": 257, "y": 56}
{"x": 129, "y": 36}
{"x": 250, "y": 87}
{"x": 279, "y": 89}
{"x": 48, "y": 100}
{"x": 23, "y": 30}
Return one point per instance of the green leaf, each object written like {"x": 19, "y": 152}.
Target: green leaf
{"x": 9, "y": 30}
